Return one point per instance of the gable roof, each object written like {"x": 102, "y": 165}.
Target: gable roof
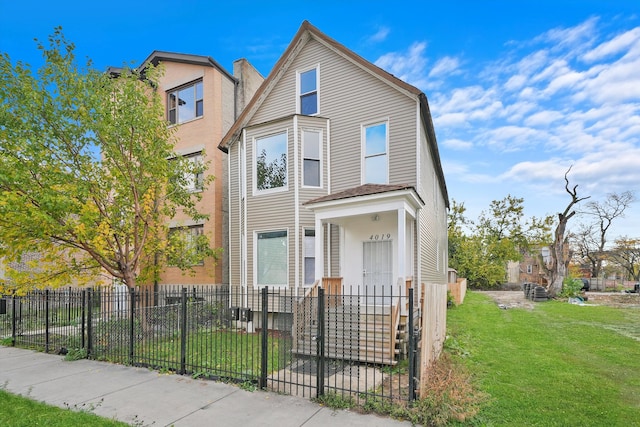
{"x": 306, "y": 32}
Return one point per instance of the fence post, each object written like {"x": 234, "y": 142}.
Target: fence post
{"x": 132, "y": 308}
{"x": 183, "y": 332}
{"x": 46, "y": 320}
{"x": 265, "y": 336}
{"x": 89, "y": 323}
{"x": 320, "y": 345}
{"x": 13, "y": 320}
{"x": 82, "y": 317}
{"x": 412, "y": 350}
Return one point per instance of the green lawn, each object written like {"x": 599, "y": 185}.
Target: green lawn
{"x": 556, "y": 365}
{"x": 17, "y": 411}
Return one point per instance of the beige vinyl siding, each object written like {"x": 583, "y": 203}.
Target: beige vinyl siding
{"x": 433, "y": 227}
{"x": 346, "y": 95}
{"x": 265, "y": 210}
{"x": 235, "y": 215}
{"x": 335, "y": 251}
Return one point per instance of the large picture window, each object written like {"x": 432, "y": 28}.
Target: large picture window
{"x": 271, "y": 260}
{"x": 185, "y": 103}
{"x": 308, "y": 95}
{"x": 311, "y": 158}
{"x": 271, "y": 162}
{"x": 375, "y": 154}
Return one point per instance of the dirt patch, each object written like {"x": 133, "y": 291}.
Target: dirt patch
{"x": 516, "y": 299}
{"x": 614, "y": 299}
{"x": 510, "y": 299}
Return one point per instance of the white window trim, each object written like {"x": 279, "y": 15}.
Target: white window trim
{"x": 363, "y": 140}
{"x": 255, "y": 258}
{"x": 254, "y": 161}
{"x": 298, "y": 94}
{"x": 320, "y": 151}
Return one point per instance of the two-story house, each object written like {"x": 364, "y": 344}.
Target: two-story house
{"x": 334, "y": 173}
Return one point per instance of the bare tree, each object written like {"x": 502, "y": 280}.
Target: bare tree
{"x": 558, "y": 263}
{"x": 626, "y": 254}
{"x": 603, "y": 214}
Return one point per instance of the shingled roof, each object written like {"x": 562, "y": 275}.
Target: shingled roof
{"x": 363, "y": 190}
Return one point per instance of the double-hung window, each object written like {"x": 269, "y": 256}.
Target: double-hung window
{"x": 375, "y": 154}
{"x": 186, "y": 246}
{"x": 311, "y": 153}
{"x": 271, "y": 258}
{"x": 308, "y": 92}
{"x": 271, "y": 162}
{"x": 185, "y": 103}
{"x": 195, "y": 180}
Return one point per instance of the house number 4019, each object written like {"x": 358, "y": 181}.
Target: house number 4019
{"x": 380, "y": 236}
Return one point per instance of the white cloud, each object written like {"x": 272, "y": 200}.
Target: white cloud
{"x": 543, "y": 118}
{"x": 409, "y": 66}
{"x": 445, "y": 66}
{"x": 612, "y": 47}
{"x": 577, "y": 36}
{"x": 569, "y": 98}
{"x": 457, "y": 144}
{"x": 380, "y": 35}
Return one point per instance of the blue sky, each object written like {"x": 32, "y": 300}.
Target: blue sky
{"x": 519, "y": 90}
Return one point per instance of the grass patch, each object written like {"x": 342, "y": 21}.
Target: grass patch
{"x": 18, "y": 411}
{"x": 209, "y": 353}
{"x": 559, "y": 364}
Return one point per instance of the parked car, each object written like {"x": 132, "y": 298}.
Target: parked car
{"x": 585, "y": 285}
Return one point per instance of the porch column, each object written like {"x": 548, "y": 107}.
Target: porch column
{"x": 319, "y": 243}
{"x": 402, "y": 233}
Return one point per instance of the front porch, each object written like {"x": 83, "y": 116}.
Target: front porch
{"x": 345, "y": 324}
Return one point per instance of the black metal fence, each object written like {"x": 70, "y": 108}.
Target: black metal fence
{"x": 302, "y": 345}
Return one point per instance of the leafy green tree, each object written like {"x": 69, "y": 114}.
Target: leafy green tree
{"x": 626, "y": 254}
{"x": 500, "y": 235}
{"x": 85, "y": 176}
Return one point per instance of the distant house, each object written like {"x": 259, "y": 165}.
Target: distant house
{"x": 335, "y": 177}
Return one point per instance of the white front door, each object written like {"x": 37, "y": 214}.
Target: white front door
{"x": 377, "y": 271}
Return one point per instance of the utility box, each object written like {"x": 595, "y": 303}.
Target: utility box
{"x": 246, "y": 315}
{"x": 234, "y": 313}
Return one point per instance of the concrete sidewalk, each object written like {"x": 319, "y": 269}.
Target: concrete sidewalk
{"x": 143, "y": 397}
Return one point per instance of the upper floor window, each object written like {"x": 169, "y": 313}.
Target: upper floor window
{"x": 308, "y": 92}
{"x": 375, "y": 154}
{"x": 195, "y": 181}
{"x": 185, "y": 103}
{"x": 311, "y": 158}
{"x": 271, "y": 162}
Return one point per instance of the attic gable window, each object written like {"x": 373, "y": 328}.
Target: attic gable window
{"x": 308, "y": 92}
{"x": 185, "y": 103}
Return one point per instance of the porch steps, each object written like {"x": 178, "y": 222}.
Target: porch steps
{"x": 362, "y": 334}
